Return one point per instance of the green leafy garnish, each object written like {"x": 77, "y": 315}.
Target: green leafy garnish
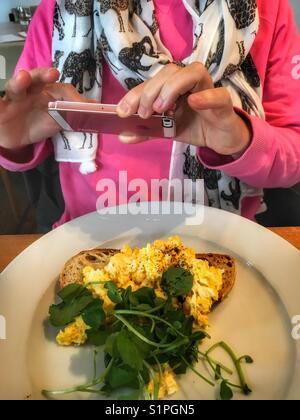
{"x": 97, "y": 337}
{"x": 130, "y": 397}
{"x": 218, "y": 372}
{"x": 94, "y": 315}
{"x": 71, "y": 292}
{"x": 140, "y": 335}
{"x": 128, "y": 350}
{"x": 177, "y": 281}
{"x": 145, "y": 295}
{"x": 113, "y": 292}
{"x": 75, "y": 300}
{"x": 111, "y": 345}
{"x": 247, "y": 359}
{"x": 122, "y": 376}
{"x": 225, "y": 391}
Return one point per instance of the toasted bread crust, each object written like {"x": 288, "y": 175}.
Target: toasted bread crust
{"x": 99, "y": 257}
{"x": 225, "y": 263}
{"x": 95, "y": 258}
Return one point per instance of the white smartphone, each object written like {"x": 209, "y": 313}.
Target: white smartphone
{"x": 103, "y": 118}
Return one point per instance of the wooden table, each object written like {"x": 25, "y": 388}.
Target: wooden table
{"x": 12, "y": 245}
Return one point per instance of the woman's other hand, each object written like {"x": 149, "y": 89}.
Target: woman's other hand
{"x": 24, "y": 115}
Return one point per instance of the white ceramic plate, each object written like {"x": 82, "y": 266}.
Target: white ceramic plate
{"x": 255, "y": 319}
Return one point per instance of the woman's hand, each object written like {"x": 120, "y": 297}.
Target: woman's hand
{"x": 205, "y": 115}
{"x": 24, "y": 115}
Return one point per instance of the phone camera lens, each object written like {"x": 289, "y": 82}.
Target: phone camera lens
{"x": 167, "y": 123}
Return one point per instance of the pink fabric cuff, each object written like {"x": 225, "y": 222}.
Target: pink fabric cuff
{"x": 40, "y": 152}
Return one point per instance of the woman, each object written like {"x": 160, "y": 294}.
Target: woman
{"x": 230, "y": 66}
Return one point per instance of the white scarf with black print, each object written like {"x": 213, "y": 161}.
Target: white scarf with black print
{"x": 125, "y": 33}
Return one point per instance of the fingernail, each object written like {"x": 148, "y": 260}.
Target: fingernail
{"x": 18, "y": 76}
{"x": 124, "y": 108}
{"x": 51, "y": 70}
{"x": 159, "y": 104}
{"x": 143, "y": 112}
{"x": 18, "y": 73}
{"x": 132, "y": 138}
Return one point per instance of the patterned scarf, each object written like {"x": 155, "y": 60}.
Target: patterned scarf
{"x": 125, "y": 34}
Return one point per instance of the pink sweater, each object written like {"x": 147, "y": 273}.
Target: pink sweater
{"x": 271, "y": 160}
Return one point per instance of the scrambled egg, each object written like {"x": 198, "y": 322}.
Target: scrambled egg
{"x": 167, "y": 383}
{"x": 144, "y": 268}
{"x": 74, "y": 333}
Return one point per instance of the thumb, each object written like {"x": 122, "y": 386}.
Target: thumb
{"x": 217, "y": 100}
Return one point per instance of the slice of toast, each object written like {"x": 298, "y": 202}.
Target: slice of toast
{"x": 98, "y": 258}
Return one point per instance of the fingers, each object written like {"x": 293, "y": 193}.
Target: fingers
{"x": 141, "y": 98}
{"x": 190, "y": 79}
{"x": 130, "y": 102}
{"x": 35, "y": 80}
{"x": 160, "y": 93}
{"x": 64, "y": 92}
{"x": 42, "y": 77}
{"x": 16, "y": 88}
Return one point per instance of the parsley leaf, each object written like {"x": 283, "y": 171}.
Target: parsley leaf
{"x": 145, "y": 295}
{"x": 73, "y": 291}
{"x": 128, "y": 350}
{"x": 225, "y": 391}
{"x": 113, "y": 292}
{"x": 94, "y": 315}
{"x": 177, "y": 281}
{"x": 187, "y": 326}
{"x": 121, "y": 376}
{"x": 133, "y": 300}
{"x": 176, "y": 318}
{"x": 111, "y": 345}
{"x": 144, "y": 348}
{"x": 97, "y": 337}
{"x": 64, "y": 313}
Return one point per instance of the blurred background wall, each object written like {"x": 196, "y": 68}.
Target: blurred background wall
{"x": 6, "y": 5}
